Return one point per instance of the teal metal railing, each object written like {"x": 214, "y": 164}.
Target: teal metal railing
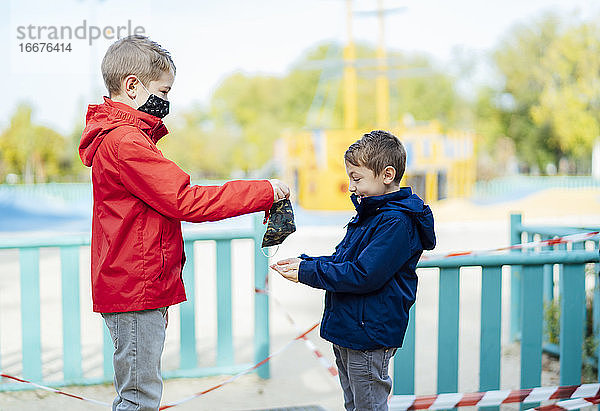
{"x": 515, "y": 185}
{"x": 29, "y": 266}
{"x": 527, "y": 233}
{"x": 528, "y": 270}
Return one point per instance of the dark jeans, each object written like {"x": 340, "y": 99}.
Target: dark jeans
{"x": 364, "y": 377}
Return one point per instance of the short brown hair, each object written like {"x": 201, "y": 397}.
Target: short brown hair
{"x": 377, "y": 150}
{"x": 137, "y": 55}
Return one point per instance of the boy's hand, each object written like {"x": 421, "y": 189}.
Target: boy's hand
{"x": 288, "y": 268}
{"x": 281, "y": 190}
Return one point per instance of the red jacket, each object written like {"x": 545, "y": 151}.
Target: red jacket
{"x": 140, "y": 199}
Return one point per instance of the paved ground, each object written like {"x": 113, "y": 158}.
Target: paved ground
{"x": 297, "y": 378}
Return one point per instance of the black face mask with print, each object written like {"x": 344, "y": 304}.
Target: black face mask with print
{"x": 156, "y": 106}
{"x": 281, "y": 223}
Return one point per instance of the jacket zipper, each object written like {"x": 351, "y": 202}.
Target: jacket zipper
{"x": 361, "y": 317}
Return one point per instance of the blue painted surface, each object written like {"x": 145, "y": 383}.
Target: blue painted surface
{"x": 572, "y": 283}
{"x": 404, "y": 360}
{"x": 515, "y": 280}
{"x": 107, "y": 355}
{"x": 29, "y": 260}
{"x": 447, "y": 370}
{"x": 491, "y": 324}
{"x": 225, "y": 353}
{"x": 69, "y": 262}
{"x": 531, "y": 321}
{"x": 262, "y": 342}
{"x": 188, "y": 357}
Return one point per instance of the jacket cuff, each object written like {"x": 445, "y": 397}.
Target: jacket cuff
{"x": 270, "y": 190}
{"x": 306, "y": 271}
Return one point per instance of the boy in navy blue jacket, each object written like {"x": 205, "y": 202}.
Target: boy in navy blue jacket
{"x": 370, "y": 279}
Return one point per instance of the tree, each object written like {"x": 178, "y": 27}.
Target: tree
{"x": 29, "y": 150}
{"x": 548, "y": 104}
{"x": 256, "y": 109}
{"x": 570, "y": 98}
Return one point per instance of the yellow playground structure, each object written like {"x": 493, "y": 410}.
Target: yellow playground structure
{"x": 439, "y": 164}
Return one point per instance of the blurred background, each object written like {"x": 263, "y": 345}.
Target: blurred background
{"x": 492, "y": 100}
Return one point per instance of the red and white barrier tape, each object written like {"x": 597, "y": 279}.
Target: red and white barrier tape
{"x": 307, "y": 342}
{"x": 571, "y": 404}
{"x": 533, "y": 244}
{"x": 174, "y": 404}
{"x": 54, "y": 390}
{"x": 578, "y": 395}
{"x": 494, "y": 398}
{"x": 246, "y": 371}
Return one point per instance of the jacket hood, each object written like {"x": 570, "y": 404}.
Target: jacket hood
{"x": 402, "y": 200}
{"x": 102, "y": 118}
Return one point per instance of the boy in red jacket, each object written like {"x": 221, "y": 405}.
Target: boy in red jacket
{"x": 140, "y": 199}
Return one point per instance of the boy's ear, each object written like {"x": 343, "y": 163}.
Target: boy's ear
{"x": 389, "y": 174}
{"x": 129, "y": 86}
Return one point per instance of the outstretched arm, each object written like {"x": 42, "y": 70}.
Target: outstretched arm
{"x": 160, "y": 183}
{"x": 389, "y": 249}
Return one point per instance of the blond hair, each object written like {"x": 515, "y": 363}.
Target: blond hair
{"x": 137, "y": 55}
{"x": 377, "y": 150}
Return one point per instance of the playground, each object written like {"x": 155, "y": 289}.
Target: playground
{"x": 496, "y": 107}
{"x": 297, "y": 378}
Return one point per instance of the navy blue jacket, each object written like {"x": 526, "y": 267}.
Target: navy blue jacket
{"x": 370, "y": 279}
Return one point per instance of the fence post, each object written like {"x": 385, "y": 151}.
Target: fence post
{"x": 572, "y": 315}
{"x": 69, "y": 264}
{"x": 188, "y": 357}
{"x": 515, "y": 280}
{"x": 225, "y": 353}
{"x": 404, "y": 360}
{"x": 108, "y": 349}
{"x": 448, "y": 312}
{"x": 261, "y": 300}
{"x": 532, "y": 322}
{"x": 491, "y": 324}
{"x": 29, "y": 260}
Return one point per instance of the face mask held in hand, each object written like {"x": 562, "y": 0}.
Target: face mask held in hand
{"x": 281, "y": 223}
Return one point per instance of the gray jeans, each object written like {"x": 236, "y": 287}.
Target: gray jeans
{"x": 364, "y": 377}
{"x": 138, "y": 337}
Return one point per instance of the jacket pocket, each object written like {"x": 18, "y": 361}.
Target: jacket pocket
{"x": 161, "y": 252}
{"x": 361, "y": 311}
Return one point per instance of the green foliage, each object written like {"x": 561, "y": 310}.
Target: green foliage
{"x": 196, "y": 147}
{"x": 258, "y": 108}
{"x": 590, "y": 342}
{"x": 590, "y": 348}
{"x": 551, "y": 93}
{"x": 570, "y": 98}
{"x": 552, "y": 321}
{"x": 430, "y": 95}
{"x": 246, "y": 115}
{"x": 36, "y": 153}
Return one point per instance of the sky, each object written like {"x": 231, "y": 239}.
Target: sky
{"x": 210, "y": 40}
